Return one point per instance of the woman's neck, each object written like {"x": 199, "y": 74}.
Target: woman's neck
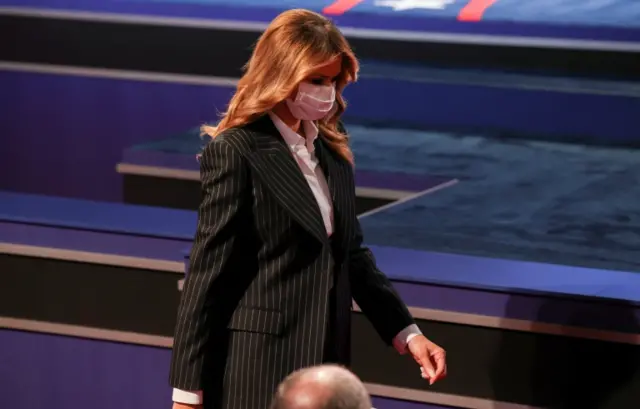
{"x": 282, "y": 111}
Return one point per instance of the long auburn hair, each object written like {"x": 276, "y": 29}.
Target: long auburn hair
{"x": 288, "y": 52}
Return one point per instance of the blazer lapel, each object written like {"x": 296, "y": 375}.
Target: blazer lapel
{"x": 278, "y": 169}
{"x": 340, "y": 181}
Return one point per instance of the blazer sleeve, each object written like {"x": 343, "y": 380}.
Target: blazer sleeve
{"x": 372, "y": 290}
{"x": 224, "y": 179}
{"x": 374, "y": 293}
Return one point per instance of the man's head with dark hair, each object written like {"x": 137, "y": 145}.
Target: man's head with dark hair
{"x": 321, "y": 387}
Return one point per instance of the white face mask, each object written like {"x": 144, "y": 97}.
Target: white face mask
{"x": 312, "y": 101}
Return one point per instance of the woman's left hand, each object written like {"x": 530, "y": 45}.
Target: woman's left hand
{"x": 431, "y": 358}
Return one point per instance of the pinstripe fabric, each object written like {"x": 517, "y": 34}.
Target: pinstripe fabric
{"x": 268, "y": 291}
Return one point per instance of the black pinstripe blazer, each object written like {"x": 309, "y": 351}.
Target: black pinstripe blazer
{"x": 268, "y": 292}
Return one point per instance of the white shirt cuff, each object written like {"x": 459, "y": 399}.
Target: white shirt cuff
{"x": 187, "y": 397}
{"x": 402, "y": 339}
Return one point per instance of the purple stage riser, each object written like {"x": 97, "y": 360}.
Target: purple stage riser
{"x": 387, "y": 403}
{"x": 508, "y": 276}
{"x": 560, "y": 310}
{"x": 85, "y": 215}
{"x": 99, "y": 243}
{"x": 449, "y": 290}
{"x": 132, "y": 112}
{"x": 78, "y": 158}
{"x": 603, "y": 119}
{"x": 39, "y": 371}
{"x": 501, "y": 302}
{"x": 482, "y": 286}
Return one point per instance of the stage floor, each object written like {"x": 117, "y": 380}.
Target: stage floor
{"x": 614, "y": 20}
{"x": 516, "y": 199}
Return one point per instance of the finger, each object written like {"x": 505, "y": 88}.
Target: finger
{"x": 428, "y": 367}
{"x": 440, "y": 364}
{"x": 441, "y": 375}
{"x": 424, "y": 374}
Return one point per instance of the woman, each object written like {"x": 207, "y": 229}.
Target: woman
{"x": 278, "y": 251}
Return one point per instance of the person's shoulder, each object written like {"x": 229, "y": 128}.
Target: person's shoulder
{"x": 243, "y": 139}
{"x": 239, "y": 140}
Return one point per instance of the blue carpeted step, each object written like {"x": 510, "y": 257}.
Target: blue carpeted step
{"x": 97, "y": 216}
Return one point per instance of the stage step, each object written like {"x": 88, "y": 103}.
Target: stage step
{"x": 495, "y": 103}
{"x": 93, "y": 216}
{"x": 515, "y": 332}
{"x": 460, "y": 104}
{"x": 166, "y": 174}
{"x": 91, "y": 264}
